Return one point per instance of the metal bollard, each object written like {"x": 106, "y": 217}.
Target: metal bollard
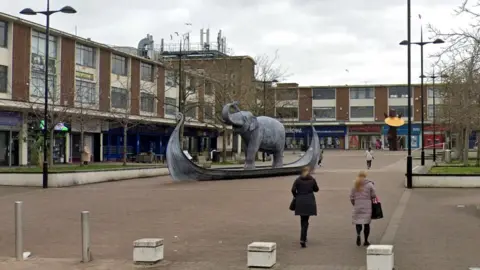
{"x": 85, "y": 236}
{"x": 18, "y": 231}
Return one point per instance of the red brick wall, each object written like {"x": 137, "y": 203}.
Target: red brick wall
{"x": 135, "y": 90}
{"x": 104, "y": 79}
{"x": 305, "y": 104}
{"x": 381, "y": 103}
{"x": 160, "y": 91}
{"x": 343, "y": 103}
{"x": 21, "y": 62}
{"x": 417, "y": 104}
{"x": 67, "y": 77}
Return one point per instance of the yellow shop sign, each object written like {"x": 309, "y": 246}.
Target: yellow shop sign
{"x": 84, "y": 75}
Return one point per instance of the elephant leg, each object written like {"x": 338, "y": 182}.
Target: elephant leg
{"x": 277, "y": 160}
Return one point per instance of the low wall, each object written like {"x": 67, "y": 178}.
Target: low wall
{"x": 66, "y": 179}
{"x": 446, "y": 181}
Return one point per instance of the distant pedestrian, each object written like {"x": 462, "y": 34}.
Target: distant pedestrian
{"x": 369, "y": 157}
{"x": 305, "y": 204}
{"x": 320, "y": 157}
{"x": 361, "y": 196}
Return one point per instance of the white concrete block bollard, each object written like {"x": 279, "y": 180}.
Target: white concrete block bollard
{"x": 380, "y": 257}
{"x": 262, "y": 254}
{"x": 148, "y": 251}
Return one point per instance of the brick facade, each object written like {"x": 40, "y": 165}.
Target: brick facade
{"x": 381, "y": 103}
{"x": 135, "y": 87}
{"x": 160, "y": 91}
{"x": 343, "y": 103}
{"x": 21, "y": 62}
{"x": 305, "y": 104}
{"x": 67, "y": 83}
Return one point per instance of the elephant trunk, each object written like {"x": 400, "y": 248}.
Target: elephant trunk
{"x": 227, "y": 117}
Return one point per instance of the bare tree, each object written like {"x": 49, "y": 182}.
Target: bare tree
{"x": 461, "y": 62}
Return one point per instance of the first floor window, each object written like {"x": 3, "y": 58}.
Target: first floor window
{"x": 191, "y": 111}
{"x": 37, "y": 85}
{"x": 3, "y": 79}
{"x": 86, "y": 92}
{"x": 401, "y": 110}
{"x": 208, "y": 111}
{"x": 361, "y": 111}
{"x": 147, "y": 102}
{"x": 119, "y": 98}
{"x": 170, "y": 106}
{"x": 324, "y": 113}
{"x": 286, "y": 112}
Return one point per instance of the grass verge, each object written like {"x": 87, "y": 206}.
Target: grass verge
{"x": 455, "y": 170}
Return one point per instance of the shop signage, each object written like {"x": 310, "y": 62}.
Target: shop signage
{"x": 365, "y": 129}
{"x": 10, "y": 119}
{"x": 293, "y": 130}
{"x": 437, "y": 128}
{"x": 338, "y": 130}
{"x": 84, "y": 75}
{"x": 403, "y": 130}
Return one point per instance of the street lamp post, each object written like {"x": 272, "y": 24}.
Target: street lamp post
{"x": 422, "y": 76}
{"x": 434, "y": 93}
{"x": 265, "y": 82}
{"x": 47, "y": 13}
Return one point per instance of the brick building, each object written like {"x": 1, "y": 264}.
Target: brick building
{"x": 351, "y": 117}
{"x": 106, "y": 85}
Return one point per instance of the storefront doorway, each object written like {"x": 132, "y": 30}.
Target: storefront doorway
{"x": 365, "y": 136}
{"x": 9, "y": 148}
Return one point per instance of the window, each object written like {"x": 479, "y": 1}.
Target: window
{"x": 324, "y": 93}
{"x": 38, "y": 45}
{"x": 190, "y": 111}
{"x": 439, "y": 110}
{"x": 398, "y": 92}
{"x": 324, "y": 113}
{"x": 430, "y": 91}
{"x": 170, "y": 78}
{"x": 119, "y": 65}
{"x": 147, "y": 72}
{"x": 287, "y": 94}
{"x": 403, "y": 110}
{"x": 208, "y": 111}
{"x": 37, "y": 85}
{"x": 3, "y": 34}
{"x": 170, "y": 106}
{"x": 208, "y": 88}
{"x": 85, "y": 55}
{"x": 287, "y": 112}
{"x": 3, "y": 79}
{"x": 361, "y": 112}
{"x": 86, "y": 92}
{"x": 147, "y": 102}
{"x": 362, "y": 93}
{"x": 119, "y": 98}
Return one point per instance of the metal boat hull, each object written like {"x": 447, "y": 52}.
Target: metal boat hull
{"x": 183, "y": 169}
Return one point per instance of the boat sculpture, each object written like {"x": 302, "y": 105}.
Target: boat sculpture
{"x": 181, "y": 168}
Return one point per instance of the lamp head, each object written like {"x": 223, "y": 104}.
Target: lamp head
{"x": 438, "y": 41}
{"x": 68, "y": 9}
{"x": 405, "y": 42}
{"x": 28, "y": 11}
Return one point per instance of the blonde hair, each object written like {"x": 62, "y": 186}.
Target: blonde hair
{"x": 359, "y": 181}
{"x": 305, "y": 171}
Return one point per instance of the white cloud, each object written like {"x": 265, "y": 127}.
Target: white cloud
{"x": 317, "y": 39}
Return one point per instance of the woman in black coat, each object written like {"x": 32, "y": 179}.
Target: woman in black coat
{"x": 305, "y": 204}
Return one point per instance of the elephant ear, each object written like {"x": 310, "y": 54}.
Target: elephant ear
{"x": 253, "y": 124}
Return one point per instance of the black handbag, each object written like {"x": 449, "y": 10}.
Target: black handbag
{"x": 377, "y": 212}
{"x": 292, "y": 204}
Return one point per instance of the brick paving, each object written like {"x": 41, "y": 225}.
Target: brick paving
{"x": 206, "y": 225}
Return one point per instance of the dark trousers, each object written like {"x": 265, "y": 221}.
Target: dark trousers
{"x": 304, "y": 228}
{"x": 366, "y": 230}
{"x": 369, "y": 164}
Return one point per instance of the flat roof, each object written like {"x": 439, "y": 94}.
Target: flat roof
{"x": 87, "y": 41}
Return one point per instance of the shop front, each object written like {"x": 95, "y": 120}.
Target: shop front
{"x": 294, "y": 139}
{"x": 331, "y": 137}
{"x": 10, "y": 125}
{"x": 402, "y": 133}
{"x": 439, "y": 136}
{"x": 365, "y": 136}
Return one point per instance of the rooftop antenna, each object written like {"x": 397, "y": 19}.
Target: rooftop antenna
{"x": 76, "y": 30}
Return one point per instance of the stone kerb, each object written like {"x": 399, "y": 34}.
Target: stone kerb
{"x": 66, "y": 179}
{"x": 423, "y": 179}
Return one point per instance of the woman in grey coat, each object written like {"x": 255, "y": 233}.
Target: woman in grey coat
{"x": 305, "y": 204}
{"x": 361, "y": 198}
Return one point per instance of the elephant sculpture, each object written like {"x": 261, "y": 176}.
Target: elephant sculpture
{"x": 261, "y": 133}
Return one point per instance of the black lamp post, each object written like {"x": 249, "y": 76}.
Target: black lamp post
{"x": 265, "y": 82}
{"x": 434, "y": 93}
{"x": 422, "y": 76}
{"x": 409, "y": 96}
{"x": 47, "y": 13}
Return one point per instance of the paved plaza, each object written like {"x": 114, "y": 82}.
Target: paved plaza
{"x": 208, "y": 225}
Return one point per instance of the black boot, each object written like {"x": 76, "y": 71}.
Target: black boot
{"x": 359, "y": 241}
{"x": 303, "y": 244}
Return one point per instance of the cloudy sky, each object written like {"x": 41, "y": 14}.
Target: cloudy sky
{"x": 317, "y": 40}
